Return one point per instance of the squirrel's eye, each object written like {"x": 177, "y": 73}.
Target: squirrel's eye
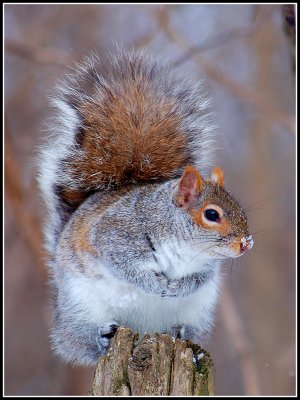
{"x": 212, "y": 215}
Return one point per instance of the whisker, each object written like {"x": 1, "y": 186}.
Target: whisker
{"x": 194, "y": 243}
{"x": 254, "y": 209}
{"x": 198, "y": 255}
{"x": 265, "y": 230}
{"x": 257, "y": 202}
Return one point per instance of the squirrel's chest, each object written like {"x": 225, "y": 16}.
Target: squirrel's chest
{"x": 178, "y": 259}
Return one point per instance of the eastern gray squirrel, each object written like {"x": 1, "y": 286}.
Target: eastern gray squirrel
{"x": 135, "y": 234}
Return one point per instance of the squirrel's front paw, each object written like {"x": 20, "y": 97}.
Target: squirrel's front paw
{"x": 168, "y": 288}
{"x": 162, "y": 282}
{"x": 172, "y": 289}
{"x": 105, "y": 334}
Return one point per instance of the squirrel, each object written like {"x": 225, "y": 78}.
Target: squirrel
{"x": 135, "y": 234}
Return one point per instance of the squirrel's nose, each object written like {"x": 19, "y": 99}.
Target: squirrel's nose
{"x": 246, "y": 243}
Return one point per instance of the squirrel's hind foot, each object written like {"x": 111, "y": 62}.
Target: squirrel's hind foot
{"x": 106, "y": 333}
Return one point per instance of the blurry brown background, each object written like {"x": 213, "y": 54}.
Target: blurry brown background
{"x": 246, "y": 54}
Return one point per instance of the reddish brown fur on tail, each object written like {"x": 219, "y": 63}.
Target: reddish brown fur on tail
{"x": 129, "y": 136}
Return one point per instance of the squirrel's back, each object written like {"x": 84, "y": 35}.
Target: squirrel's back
{"x": 130, "y": 120}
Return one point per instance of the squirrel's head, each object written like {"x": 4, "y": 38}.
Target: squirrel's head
{"x": 214, "y": 210}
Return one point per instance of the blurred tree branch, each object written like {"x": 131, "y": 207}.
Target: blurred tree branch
{"x": 221, "y": 39}
{"x": 26, "y": 223}
{"x": 240, "y": 91}
{"x": 38, "y": 54}
{"x": 144, "y": 40}
{"x": 240, "y": 342}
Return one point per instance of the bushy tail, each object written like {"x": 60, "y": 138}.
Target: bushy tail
{"x": 131, "y": 120}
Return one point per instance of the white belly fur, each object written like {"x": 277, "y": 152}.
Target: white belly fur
{"x": 104, "y": 299}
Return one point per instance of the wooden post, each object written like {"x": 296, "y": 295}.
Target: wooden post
{"x": 157, "y": 365}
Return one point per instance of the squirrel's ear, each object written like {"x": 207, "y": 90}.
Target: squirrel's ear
{"x": 189, "y": 187}
{"x": 217, "y": 176}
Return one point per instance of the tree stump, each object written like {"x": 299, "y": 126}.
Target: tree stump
{"x": 157, "y": 365}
